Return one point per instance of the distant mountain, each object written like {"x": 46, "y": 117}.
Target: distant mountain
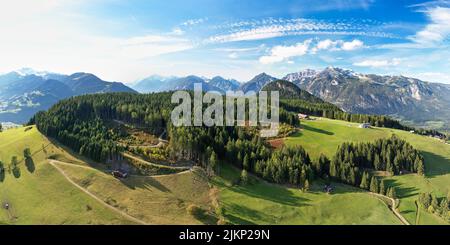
{"x": 187, "y": 83}
{"x": 224, "y": 84}
{"x": 86, "y": 83}
{"x": 257, "y": 83}
{"x": 402, "y": 97}
{"x": 157, "y": 83}
{"x": 153, "y": 83}
{"x": 288, "y": 90}
{"x": 24, "y": 92}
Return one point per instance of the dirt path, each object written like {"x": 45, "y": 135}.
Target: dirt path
{"x": 392, "y": 207}
{"x": 124, "y": 214}
{"x": 107, "y": 172}
{"x": 417, "y": 213}
{"x": 154, "y": 164}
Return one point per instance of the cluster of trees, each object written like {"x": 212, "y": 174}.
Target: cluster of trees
{"x": 393, "y": 155}
{"x": 353, "y": 163}
{"x": 431, "y": 203}
{"x": 80, "y": 122}
{"x": 290, "y": 165}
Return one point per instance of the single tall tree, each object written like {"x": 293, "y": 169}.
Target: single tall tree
{"x": 374, "y": 184}
{"x": 364, "y": 181}
{"x": 382, "y": 187}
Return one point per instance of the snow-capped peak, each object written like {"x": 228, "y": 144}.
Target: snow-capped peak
{"x": 307, "y": 73}
{"x": 29, "y": 71}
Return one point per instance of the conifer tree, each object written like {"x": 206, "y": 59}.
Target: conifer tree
{"x": 364, "y": 181}
{"x": 374, "y": 184}
{"x": 246, "y": 163}
{"x": 434, "y": 202}
{"x": 244, "y": 176}
{"x": 306, "y": 185}
{"x": 382, "y": 187}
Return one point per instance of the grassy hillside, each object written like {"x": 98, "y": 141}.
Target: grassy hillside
{"x": 40, "y": 195}
{"x": 264, "y": 203}
{"x": 153, "y": 199}
{"x": 324, "y": 135}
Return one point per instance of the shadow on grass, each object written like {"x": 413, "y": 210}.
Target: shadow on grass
{"x": 435, "y": 165}
{"x": 316, "y": 130}
{"x": 2, "y": 175}
{"x": 270, "y": 192}
{"x": 145, "y": 182}
{"x": 402, "y": 192}
{"x": 246, "y": 212}
{"x": 29, "y": 163}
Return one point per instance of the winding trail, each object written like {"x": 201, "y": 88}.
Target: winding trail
{"x": 124, "y": 214}
{"x": 154, "y": 164}
{"x": 392, "y": 208}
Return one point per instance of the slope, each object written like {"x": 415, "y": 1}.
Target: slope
{"x": 324, "y": 136}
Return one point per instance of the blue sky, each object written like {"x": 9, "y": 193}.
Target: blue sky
{"x": 129, "y": 40}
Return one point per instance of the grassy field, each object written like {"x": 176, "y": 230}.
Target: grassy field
{"x": 264, "y": 203}
{"x": 155, "y": 200}
{"x": 40, "y": 195}
{"x": 324, "y": 135}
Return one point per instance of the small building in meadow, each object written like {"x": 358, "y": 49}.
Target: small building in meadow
{"x": 364, "y": 125}
{"x": 303, "y": 116}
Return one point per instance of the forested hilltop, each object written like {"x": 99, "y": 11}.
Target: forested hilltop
{"x": 82, "y": 124}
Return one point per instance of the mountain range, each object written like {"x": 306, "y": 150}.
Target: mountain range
{"x": 25, "y": 92}
{"x": 405, "y": 98}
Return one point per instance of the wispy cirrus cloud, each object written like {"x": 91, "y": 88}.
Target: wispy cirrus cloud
{"x": 153, "y": 45}
{"x": 271, "y": 28}
{"x": 193, "y": 22}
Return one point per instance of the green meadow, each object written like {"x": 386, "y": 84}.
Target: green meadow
{"x": 260, "y": 202}
{"x": 38, "y": 194}
{"x": 324, "y": 135}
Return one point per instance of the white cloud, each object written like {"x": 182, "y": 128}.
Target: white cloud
{"x": 378, "y": 63}
{"x": 254, "y": 34}
{"x": 152, "y": 45}
{"x": 281, "y": 53}
{"x": 193, "y": 22}
{"x": 355, "y": 44}
{"x": 326, "y": 44}
{"x": 233, "y": 55}
{"x": 436, "y": 31}
{"x": 177, "y": 31}
{"x": 337, "y": 45}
